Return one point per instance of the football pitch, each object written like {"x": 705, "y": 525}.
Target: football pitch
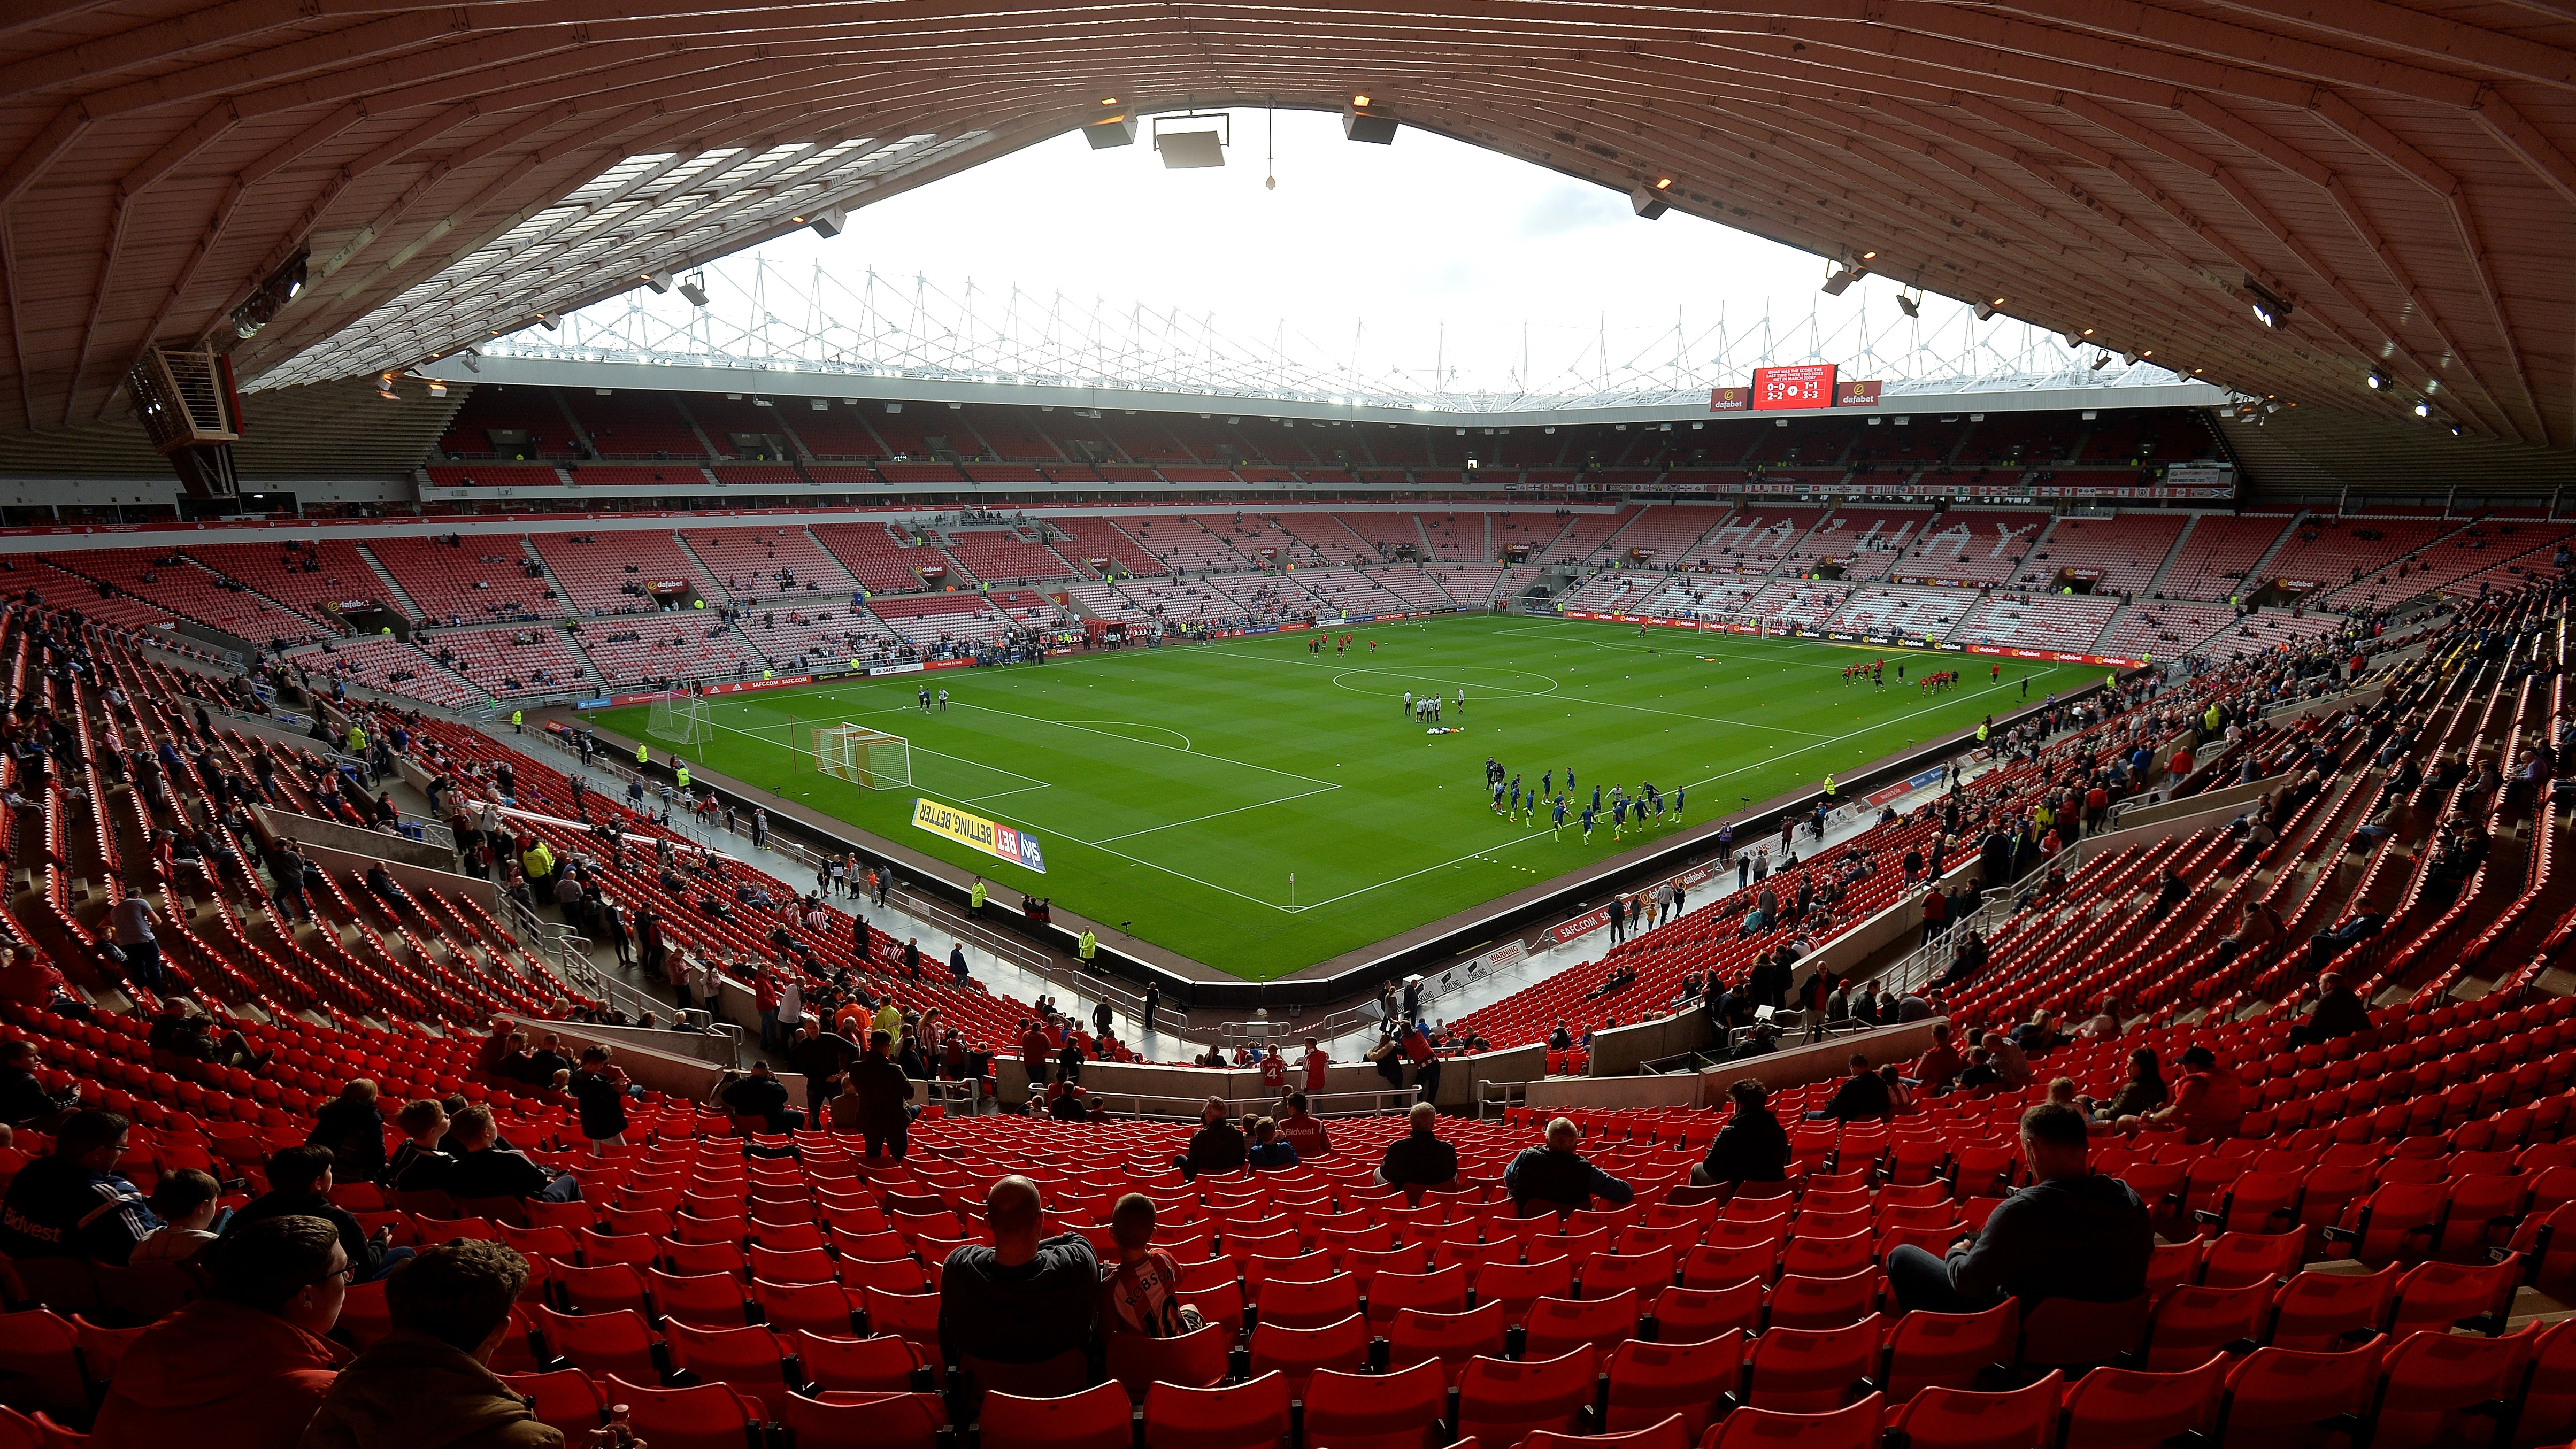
{"x": 1175, "y": 792}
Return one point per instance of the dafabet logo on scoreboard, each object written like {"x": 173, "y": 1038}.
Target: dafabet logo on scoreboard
{"x": 989, "y": 836}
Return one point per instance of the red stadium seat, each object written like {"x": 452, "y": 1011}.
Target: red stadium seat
{"x": 1248, "y": 1415}
{"x": 1939, "y": 1417}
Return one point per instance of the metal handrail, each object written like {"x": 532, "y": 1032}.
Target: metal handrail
{"x": 1189, "y": 1108}
{"x": 1503, "y": 1095}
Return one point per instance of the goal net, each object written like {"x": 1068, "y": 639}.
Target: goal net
{"x": 869, "y": 759}
{"x": 681, "y": 717}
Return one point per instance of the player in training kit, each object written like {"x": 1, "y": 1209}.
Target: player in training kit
{"x": 1498, "y": 797}
{"x": 1618, "y": 817}
{"x": 1587, "y": 825}
{"x": 1596, "y": 799}
{"x": 1516, "y": 794}
{"x": 1408, "y": 701}
{"x": 1547, "y": 784}
{"x": 1462, "y": 701}
{"x": 1560, "y": 817}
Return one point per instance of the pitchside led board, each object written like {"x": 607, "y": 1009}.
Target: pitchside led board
{"x": 1783, "y": 389}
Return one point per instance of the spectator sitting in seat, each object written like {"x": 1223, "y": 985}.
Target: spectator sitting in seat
{"x": 73, "y": 1204}
{"x": 428, "y": 1384}
{"x": 1268, "y": 1149}
{"x": 2339, "y": 1013}
{"x": 24, "y": 1102}
{"x": 1217, "y": 1146}
{"x": 1303, "y": 1130}
{"x": 299, "y": 1185}
{"x": 1861, "y": 1098}
{"x": 1751, "y": 1147}
{"x": 1419, "y": 1159}
{"x": 2073, "y": 1233}
{"x": 1554, "y": 1178}
{"x": 2142, "y": 1093}
{"x": 187, "y": 1202}
{"x": 2207, "y": 1103}
{"x": 418, "y": 1165}
{"x": 1022, "y": 1300}
{"x": 485, "y": 1169}
{"x": 1141, "y": 1293}
{"x": 354, "y": 1130}
{"x": 245, "y": 1367}
{"x": 761, "y": 1095}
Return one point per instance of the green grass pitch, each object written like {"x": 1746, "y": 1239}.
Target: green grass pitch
{"x": 1179, "y": 788}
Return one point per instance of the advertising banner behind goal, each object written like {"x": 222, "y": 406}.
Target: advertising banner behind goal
{"x": 989, "y": 836}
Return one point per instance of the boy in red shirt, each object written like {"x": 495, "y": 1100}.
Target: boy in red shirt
{"x": 1141, "y": 1294}
{"x": 1316, "y": 1062}
{"x": 1302, "y": 1131}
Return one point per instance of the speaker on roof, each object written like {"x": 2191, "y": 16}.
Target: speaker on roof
{"x": 192, "y": 414}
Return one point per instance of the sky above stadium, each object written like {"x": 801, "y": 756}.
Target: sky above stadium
{"x": 1466, "y": 269}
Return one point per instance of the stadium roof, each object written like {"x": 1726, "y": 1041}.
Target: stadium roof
{"x": 2393, "y": 183}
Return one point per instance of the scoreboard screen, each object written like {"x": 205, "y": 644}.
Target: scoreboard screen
{"x": 1807, "y": 385}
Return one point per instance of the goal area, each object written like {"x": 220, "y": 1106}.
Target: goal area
{"x": 869, "y": 759}
{"x": 681, "y": 717}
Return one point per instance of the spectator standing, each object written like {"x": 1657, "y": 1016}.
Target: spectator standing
{"x": 598, "y": 1090}
{"x": 1751, "y": 1147}
{"x": 2073, "y": 1233}
{"x": 246, "y": 1366}
{"x": 428, "y": 1384}
{"x": 131, "y": 923}
{"x": 877, "y": 1102}
{"x": 822, "y": 1056}
{"x": 1555, "y": 1178}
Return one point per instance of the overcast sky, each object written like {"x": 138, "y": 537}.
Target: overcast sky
{"x": 1427, "y": 250}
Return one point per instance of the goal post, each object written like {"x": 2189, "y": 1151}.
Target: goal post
{"x": 681, "y": 717}
{"x": 869, "y": 759}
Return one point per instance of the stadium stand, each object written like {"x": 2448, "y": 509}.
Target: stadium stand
{"x": 2120, "y": 555}
{"x": 1474, "y": 586}
{"x": 1379, "y": 536}
{"x": 1865, "y": 542}
{"x": 1662, "y": 535}
{"x": 2165, "y": 628}
{"x": 2218, "y": 551}
{"x": 313, "y": 578}
{"x": 102, "y": 602}
{"x": 1007, "y": 555}
{"x": 2324, "y": 555}
{"x": 2066, "y": 622}
{"x": 873, "y": 555}
{"x": 457, "y": 579}
{"x": 1586, "y": 538}
{"x": 1797, "y": 603}
{"x": 1182, "y": 545}
{"x": 529, "y": 411}
{"x": 1260, "y": 540}
{"x": 1100, "y": 545}
{"x": 171, "y": 582}
{"x": 391, "y": 665}
{"x": 1962, "y": 547}
{"x": 638, "y": 571}
{"x": 1467, "y": 539}
{"x": 533, "y": 660}
{"x": 1755, "y": 540}
{"x": 1907, "y": 612}
{"x": 636, "y": 426}
{"x": 757, "y": 564}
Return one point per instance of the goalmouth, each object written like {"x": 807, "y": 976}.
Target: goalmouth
{"x": 682, "y": 717}
{"x": 869, "y": 759}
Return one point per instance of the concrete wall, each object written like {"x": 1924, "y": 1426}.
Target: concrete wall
{"x": 365, "y": 846}
{"x": 649, "y": 1065}
{"x": 2233, "y": 795}
{"x": 1618, "y": 1051}
{"x": 1610, "y": 1094}
{"x": 1824, "y": 1061}
{"x": 1157, "y": 1089}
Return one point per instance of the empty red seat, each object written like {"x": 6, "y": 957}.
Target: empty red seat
{"x": 1248, "y": 1415}
{"x": 1855, "y": 1426}
{"x": 1400, "y": 1409}
{"x": 1096, "y": 1418}
{"x": 1941, "y": 1417}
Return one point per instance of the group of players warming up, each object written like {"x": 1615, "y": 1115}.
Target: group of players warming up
{"x": 1524, "y": 806}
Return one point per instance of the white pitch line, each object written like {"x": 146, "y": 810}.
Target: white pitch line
{"x": 1213, "y": 814}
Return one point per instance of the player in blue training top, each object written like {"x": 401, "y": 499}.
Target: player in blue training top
{"x": 1588, "y": 813}
{"x": 1560, "y": 817}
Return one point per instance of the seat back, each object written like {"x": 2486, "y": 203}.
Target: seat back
{"x": 1399, "y": 1409}
{"x": 1248, "y": 1415}
{"x": 2272, "y": 1389}
{"x": 1853, "y": 1427}
{"x": 567, "y": 1400}
{"x": 1812, "y": 1370}
{"x": 1949, "y": 1350}
{"x": 2113, "y": 1408}
{"x": 1650, "y": 1382}
{"x": 2071, "y": 1333}
{"x": 1299, "y": 1352}
{"x": 1941, "y": 1417}
{"x": 867, "y": 1421}
{"x": 1193, "y": 1360}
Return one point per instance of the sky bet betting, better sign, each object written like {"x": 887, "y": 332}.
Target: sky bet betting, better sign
{"x": 989, "y": 836}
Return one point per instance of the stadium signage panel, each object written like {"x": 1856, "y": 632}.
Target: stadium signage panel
{"x": 1803, "y": 385}
{"x": 1729, "y": 399}
{"x": 992, "y": 837}
{"x": 1582, "y": 925}
{"x": 1856, "y": 394}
